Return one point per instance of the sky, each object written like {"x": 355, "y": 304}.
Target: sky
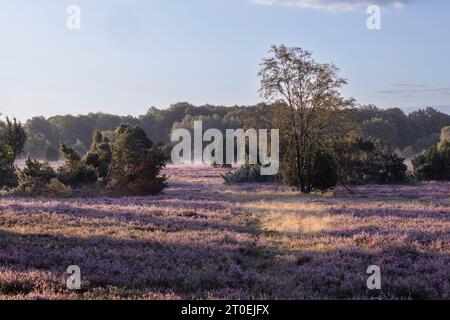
{"x": 130, "y": 55}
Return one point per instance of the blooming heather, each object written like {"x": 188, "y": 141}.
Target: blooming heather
{"x": 202, "y": 239}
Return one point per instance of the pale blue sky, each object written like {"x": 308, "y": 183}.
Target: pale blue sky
{"x": 133, "y": 54}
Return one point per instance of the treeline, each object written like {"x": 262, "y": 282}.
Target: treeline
{"x": 408, "y": 134}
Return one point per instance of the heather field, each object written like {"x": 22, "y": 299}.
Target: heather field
{"x": 202, "y": 239}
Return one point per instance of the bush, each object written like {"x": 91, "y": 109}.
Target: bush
{"x": 75, "y": 172}
{"x": 385, "y": 167}
{"x": 8, "y": 177}
{"x": 136, "y": 163}
{"x": 321, "y": 175}
{"x": 99, "y": 155}
{"x": 34, "y": 177}
{"x": 324, "y": 175}
{"x": 15, "y": 136}
{"x": 246, "y": 174}
{"x": 368, "y": 161}
{"x": 433, "y": 163}
{"x": 12, "y": 143}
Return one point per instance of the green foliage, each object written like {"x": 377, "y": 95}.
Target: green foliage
{"x": 433, "y": 163}
{"x": 419, "y": 129}
{"x": 369, "y": 161}
{"x": 136, "y": 163}
{"x": 34, "y": 177}
{"x": 15, "y": 136}
{"x": 7, "y": 175}
{"x": 75, "y": 172}
{"x": 12, "y": 141}
{"x": 99, "y": 155}
{"x": 321, "y": 174}
{"x": 246, "y": 174}
{"x": 324, "y": 175}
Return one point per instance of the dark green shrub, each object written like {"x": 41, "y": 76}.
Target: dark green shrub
{"x": 15, "y": 136}
{"x": 321, "y": 174}
{"x": 367, "y": 161}
{"x": 75, "y": 172}
{"x": 99, "y": 155}
{"x": 8, "y": 177}
{"x": 136, "y": 163}
{"x": 324, "y": 175}
{"x": 34, "y": 177}
{"x": 433, "y": 163}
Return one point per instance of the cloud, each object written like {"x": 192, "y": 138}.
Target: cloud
{"x": 334, "y": 5}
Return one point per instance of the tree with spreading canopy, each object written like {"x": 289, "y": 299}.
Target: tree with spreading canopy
{"x": 310, "y": 113}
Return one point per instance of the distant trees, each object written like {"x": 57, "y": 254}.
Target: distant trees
{"x": 414, "y": 132}
{"x": 409, "y": 134}
{"x": 51, "y": 154}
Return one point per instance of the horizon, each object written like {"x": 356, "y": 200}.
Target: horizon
{"x": 406, "y": 110}
{"x": 133, "y": 55}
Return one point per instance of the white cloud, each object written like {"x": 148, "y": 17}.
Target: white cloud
{"x": 334, "y": 5}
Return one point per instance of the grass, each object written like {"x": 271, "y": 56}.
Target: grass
{"x": 202, "y": 239}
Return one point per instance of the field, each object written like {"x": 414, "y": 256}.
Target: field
{"x": 205, "y": 240}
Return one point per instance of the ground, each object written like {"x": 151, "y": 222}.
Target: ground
{"x": 202, "y": 239}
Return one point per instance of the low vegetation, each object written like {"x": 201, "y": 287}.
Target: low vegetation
{"x": 129, "y": 166}
{"x": 202, "y": 239}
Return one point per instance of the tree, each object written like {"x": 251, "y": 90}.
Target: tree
{"x": 35, "y": 176}
{"x": 99, "y": 155}
{"x": 12, "y": 143}
{"x": 369, "y": 161}
{"x": 136, "y": 163}
{"x": 7, "y": 175}
{"x": 15, "y": 136}
{"x": 75, "y": 172}
{"x": 434, "y": 163}
{"x": 309, "y": 110}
